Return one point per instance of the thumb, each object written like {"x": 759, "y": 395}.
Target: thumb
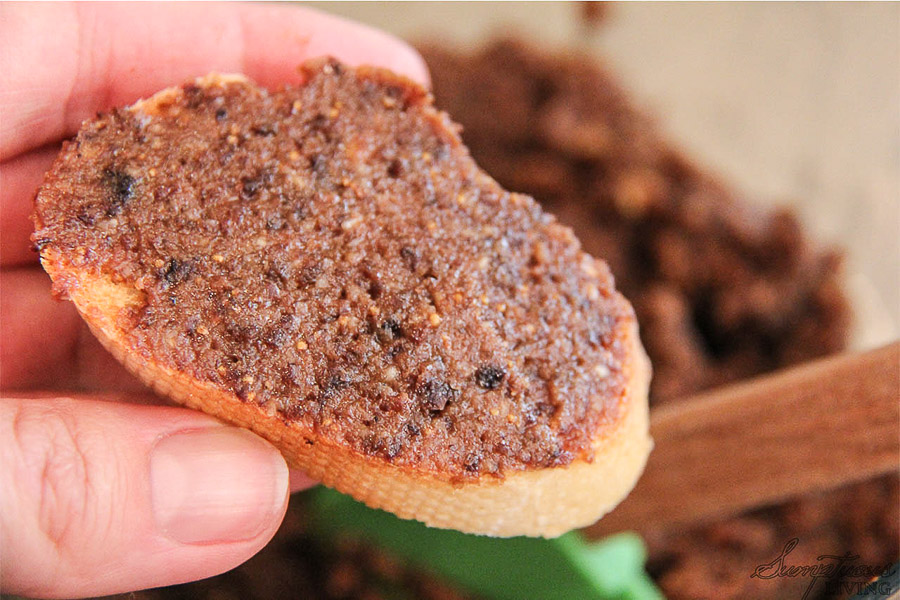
{"x": 102, "y": 497}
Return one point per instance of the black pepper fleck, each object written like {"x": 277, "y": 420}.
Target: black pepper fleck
{"x": 121, "y": 184}
{"x": 489, "y": 377}
{"x": 388, "y": 331}
{"x": 410, "y": 257}
{"x": 435, "y": 395}
{"x": 176, "y": 271}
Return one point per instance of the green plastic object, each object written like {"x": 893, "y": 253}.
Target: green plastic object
{"x": 565, "y": 568}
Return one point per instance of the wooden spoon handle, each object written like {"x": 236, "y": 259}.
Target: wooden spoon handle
{"x": 813, "y": 427}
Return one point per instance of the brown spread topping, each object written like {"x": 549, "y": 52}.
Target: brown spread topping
{"x": 332, "y": 253}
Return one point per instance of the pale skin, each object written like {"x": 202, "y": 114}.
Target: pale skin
{"x": 99, "y": 497}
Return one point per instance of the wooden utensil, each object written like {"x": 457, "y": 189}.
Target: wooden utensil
{"x": 812, "y": 427}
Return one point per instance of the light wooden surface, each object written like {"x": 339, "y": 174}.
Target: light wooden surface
{"x": 810, "y": 428}
{"x": 795, "y": 103}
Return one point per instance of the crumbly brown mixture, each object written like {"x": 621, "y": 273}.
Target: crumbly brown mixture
{"x": 332, "y": 253}
{"x": 722, "y": 292}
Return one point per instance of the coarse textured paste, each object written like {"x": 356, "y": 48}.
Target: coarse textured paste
{"x": 327, "y": 265}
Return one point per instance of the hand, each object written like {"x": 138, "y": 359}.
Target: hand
{"x": 100, "y": 497}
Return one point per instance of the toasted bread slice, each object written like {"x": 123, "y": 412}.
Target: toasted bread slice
{"x": 327, "y": 266}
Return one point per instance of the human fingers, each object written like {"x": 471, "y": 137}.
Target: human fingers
{"x": 300, "y": 481}
{"x": 47, "y": 346}
{"x": 100, "y": 498}
{"x": 107, "y": 55}
{"x": 19, "y": 178}
{"x": 40, "y": 334}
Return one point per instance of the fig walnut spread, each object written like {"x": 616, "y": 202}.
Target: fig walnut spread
{"x": 332, "y": 253}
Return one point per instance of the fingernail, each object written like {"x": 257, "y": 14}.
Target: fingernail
{"x": 220, "y": 484}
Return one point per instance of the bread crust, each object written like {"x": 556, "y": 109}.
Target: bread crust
{"x": 540, "y": 502}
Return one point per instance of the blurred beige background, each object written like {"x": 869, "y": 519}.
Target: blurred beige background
{"x": 793, "y": 103}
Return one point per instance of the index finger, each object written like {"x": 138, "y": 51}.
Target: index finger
{"x": 61, "y": 63}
